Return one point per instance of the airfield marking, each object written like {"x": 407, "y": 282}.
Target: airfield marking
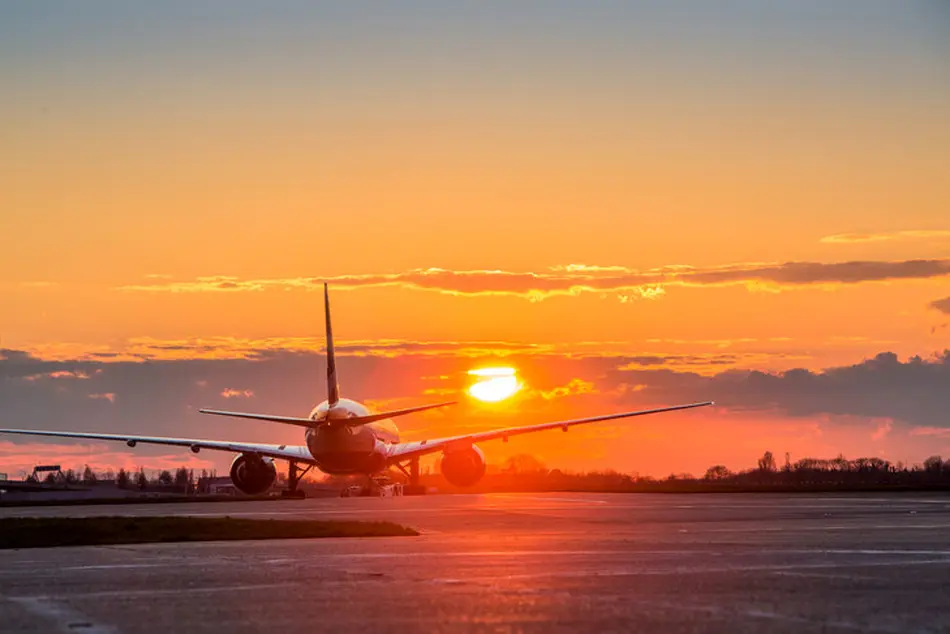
{"x": 778, "y": 616}
{"x": 548, "y": 500}
{"x": 65, "y": 617}
{"x": 935, "y": 557}
{"x": 823, "y": 575}
{"x": 677, "y": 572}
{"x": 169, "y": 591}
{"x": 856, "y": 527}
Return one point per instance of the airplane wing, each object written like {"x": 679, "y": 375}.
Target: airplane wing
{"x": 285, "y": 452}
{"x": 405, "y": 451}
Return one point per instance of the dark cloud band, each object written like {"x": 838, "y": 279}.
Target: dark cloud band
{"x": 576, "y": 279}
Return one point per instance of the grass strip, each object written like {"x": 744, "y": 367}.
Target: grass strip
{"x": 45, "y": 532}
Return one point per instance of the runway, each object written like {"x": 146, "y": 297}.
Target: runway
{"x": 512, "y": 563}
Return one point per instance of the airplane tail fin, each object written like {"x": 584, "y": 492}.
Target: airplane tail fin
{"x": 333, "y": 394}
{"x": 333, "y": 387}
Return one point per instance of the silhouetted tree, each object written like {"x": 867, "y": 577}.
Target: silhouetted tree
{"x": 141, "y": 481}
{"x": 717, "y": 472}
{"x": 933, "y": 464}
{"x": 165, "y": 477}
{"x": 523, "y": 463}
{"x": 767, "y": 462}
{"x": 182, "y": 479}
{"x": 122, "y": 479}
{"x": 88, "y": 477}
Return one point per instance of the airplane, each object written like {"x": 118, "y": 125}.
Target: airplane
{"x": 344, "y": 437}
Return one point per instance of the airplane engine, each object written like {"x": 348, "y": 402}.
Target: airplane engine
{"x": 463, "y": 467}
{"x": 253, "y": 474}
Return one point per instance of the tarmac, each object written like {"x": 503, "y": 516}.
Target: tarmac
{"x": 566, "y": 562}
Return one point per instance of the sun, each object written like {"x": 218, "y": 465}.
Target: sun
{"x": 494, "y": 384}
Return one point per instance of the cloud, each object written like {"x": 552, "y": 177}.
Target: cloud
{"x": 66, "y": 374}
{"x": 649, "y": 360}
{"x": 940, "y": 432}
{"x": 860, "y": 238}
{"x": 161, "y": 397}
{"x": 883, "y": 429}
{"x": 577, "y": 279}
{"x": 221, "y": 348}
{"x": 589, "y": 268}
{"x": 39, "y": 284}
{"x": 573, "y": 281}
{"x": 883, "y": 387}
{"x": 147, "y": 348}
{"x": 58, "y": 374}
{"x": 106, "y": 396}
{"x": 943, "y": 305}
{"x": 573, "y": 388}
{"x": 912, "y": 392}
{"x": 230, "y": 393}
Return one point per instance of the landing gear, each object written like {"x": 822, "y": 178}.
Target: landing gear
{"x": 376, "y": 486}
{"x": 293, "y": 478}
{"x": 413, "y": 488}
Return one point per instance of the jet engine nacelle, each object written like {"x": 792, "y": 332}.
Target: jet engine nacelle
{"x": 463, "y": 467}
{"x": 253, "y": 474}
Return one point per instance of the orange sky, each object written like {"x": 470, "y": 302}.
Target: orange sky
{"x": 179, "y": 191}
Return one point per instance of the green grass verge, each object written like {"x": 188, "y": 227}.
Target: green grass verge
{"x": 44, "y": 532}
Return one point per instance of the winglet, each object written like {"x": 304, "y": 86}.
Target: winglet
{"x": 333, "y": 387}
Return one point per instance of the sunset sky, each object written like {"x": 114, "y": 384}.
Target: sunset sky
{"x": 632, "y": 205}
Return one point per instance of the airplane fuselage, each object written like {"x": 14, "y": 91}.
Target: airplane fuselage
{"x": 339, "y": 449}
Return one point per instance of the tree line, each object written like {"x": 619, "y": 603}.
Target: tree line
{"x": 182, "y": 478}
{"x": 839, "y": 471}
{"x": 526, "y": 473}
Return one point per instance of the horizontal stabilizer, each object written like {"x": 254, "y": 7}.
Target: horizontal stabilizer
{"x": 289, "y": 420}
{"x": 362, "y": 420}
{"x": 352, "y": 421}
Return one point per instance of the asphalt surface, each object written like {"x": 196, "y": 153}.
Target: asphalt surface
{"x": 512, "y": 563}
